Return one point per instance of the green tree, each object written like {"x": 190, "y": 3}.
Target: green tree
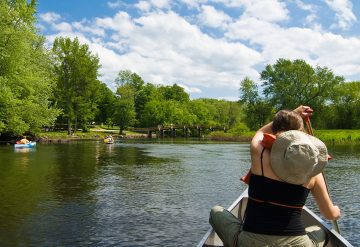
{"x": 174, "y": 92}
{"x": 144, "y": 96}
{"x": 345, "y": 107}
{"x": 249, "y": 92}
{"x": 136, "y": 83}
{"x": 203, "y": 111}
{"x": 76, "y": 72}
{"x": 214, "y": 112}
{"x": 154, "y": 113}
{"x": 106, "y": 105}
{"x": 288, "y": 84}
{"x": 125, "y": 114}
{"x": 258, "y": 111}
{"x": 235, "y": 114}
{"x": 126, "y": 77}
{"x": 165, "y": 105}
{"x": 25, "y": 71}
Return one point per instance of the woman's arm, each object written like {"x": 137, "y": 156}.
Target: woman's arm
{"x": 259, "y": 135}
{"x": 303, "y": 111}
{"x": 323, "y": 200}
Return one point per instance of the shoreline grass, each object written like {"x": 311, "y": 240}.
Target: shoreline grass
{"x": 338, "y": 136}
{"x": 92, "y": 134}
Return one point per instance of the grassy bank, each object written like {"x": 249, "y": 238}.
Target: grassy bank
{"x": 223, "y": 136}
{"x": 338, "y": 136}
{"x": 327, "y": 136}
{"x": 62, "y": 135}
{"x": 93, "y": 134}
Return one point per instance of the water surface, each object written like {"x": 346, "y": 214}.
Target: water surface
{"x": 137, "y": 193}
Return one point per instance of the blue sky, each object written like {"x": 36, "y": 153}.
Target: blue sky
{"x": 208, "y": 46}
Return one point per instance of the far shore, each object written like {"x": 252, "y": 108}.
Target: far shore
{"x": 330, "y": 137}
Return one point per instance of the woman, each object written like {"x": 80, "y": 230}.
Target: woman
{"x": 281, "y": 179}
{"x": 24, "y": 140}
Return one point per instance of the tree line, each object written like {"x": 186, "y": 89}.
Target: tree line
{"x": 287, "y": 84}
{"x": 59, "y": 85}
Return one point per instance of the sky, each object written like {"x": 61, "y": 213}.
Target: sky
{"x": 208, "y": 46}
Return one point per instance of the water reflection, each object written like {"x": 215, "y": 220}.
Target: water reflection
{"x": 23, "y": 157}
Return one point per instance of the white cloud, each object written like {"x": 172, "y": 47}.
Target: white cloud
{"x": 115, "y": 4}
{"x": 304, "y": 6}
{"x": 193, "y": 4}
{"x": 228, "y": 98}
{"x": 62, "y": 27}
{"x": 317, "y": 48}
{"x": 146, "y": 6}
{"x": 165, "y": 48}
{"x": 266, "y": 10}
{"x": 50, "y": 17}
{"x": 312, "y": 17}
{"x": 190, "y": 89}
{"x": 86, "y": 27}
{"x": 344, "y": 15}
{"x": 212, "y": 17}
{"x": 181, "y": 52}
{"x": 143, "y": 6}
{"x": 161, "y": 3}
{"x": 121, "y": 22}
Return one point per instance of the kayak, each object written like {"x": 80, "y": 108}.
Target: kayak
{"x": 109, "y": 140}
{"x": 28, "y": 145}
{"x": 211, "y": 239}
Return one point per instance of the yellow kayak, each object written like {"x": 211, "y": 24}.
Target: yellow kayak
{"x": 108, "y": 140}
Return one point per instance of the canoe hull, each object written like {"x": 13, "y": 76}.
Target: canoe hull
{"x": 28, "y": 145}
{"x": 211, "y": 239}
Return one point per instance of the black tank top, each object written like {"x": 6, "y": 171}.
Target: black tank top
{"x": 275, "y": 207}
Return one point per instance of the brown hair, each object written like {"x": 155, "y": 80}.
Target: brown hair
{"x": 287, "y": 120}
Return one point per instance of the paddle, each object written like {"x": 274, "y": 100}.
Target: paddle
{"x": 310, "y": 131}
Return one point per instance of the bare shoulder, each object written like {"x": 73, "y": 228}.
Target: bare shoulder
{"x": 258, "y": 151}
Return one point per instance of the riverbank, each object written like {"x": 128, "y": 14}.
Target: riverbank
{"x": 94, "y": 134}
{"x": 328, "y": 136}
{"x": 338, "y": 136}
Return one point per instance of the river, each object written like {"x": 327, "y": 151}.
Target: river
{"x": 138, "y": 193}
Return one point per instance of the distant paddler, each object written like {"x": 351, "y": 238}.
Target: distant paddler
{"x": 23, "y": 141}
{"x": 108, "y": 139}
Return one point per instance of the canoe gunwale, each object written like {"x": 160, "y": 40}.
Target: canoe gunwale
{"x": 328, "y": 227}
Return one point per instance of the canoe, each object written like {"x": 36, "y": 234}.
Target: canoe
{"x": 211, "y": 239}
{"x": 28, "y": 145}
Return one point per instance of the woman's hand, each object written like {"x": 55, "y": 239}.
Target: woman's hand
{"x": 304, "y": 111}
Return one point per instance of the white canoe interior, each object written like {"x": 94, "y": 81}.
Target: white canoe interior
{"x": 211, "y": 239}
